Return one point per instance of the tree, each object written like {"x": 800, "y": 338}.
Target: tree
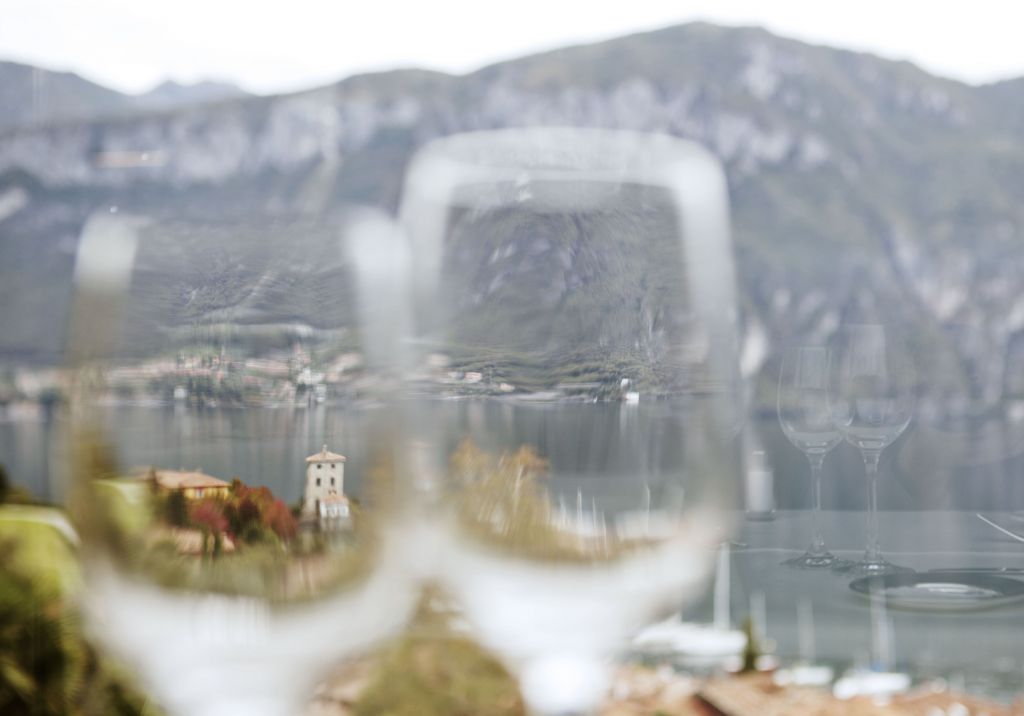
{"x": 469, "y": 463}
{"x": 34, "y": 647}
{"x": 5, "y": 485}
{"x": 47, "y": 668}
{"x": 248, "y": 513}
{"x": 176, "y": 509}
{"x": 278, "y": 518}
{"x": 241, "y": 514}
{"x": 505, "y": 499}
{"x": 208, "y": 517}
{"x": 525, "y": 464}
{"x": 231, "y": 515}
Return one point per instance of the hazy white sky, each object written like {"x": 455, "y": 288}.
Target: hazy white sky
{"x": 278, "y": 45}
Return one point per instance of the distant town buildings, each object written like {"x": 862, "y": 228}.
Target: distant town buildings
{"x": 195, "y": 484}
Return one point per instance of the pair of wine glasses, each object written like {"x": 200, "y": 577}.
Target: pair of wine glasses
{"x": 528, "y": 388}
{"x": 861, "y": 390}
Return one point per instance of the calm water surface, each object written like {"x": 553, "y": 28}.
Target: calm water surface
{"x": 613, "y": 451}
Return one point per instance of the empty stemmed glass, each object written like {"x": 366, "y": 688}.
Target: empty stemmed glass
{"x": 807, "y": 422}
{"x": 193, "y": 411}
{"x": 871, "y": 399}
{"x": 576, "y": 295}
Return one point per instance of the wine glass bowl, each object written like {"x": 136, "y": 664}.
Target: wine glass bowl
{"x": 803, "y": 404}
{"x": 575, "y": 295}
{"x": 872, "y": 401}
{"x": 231, "y": 556}
{"x": 807, "y": 422}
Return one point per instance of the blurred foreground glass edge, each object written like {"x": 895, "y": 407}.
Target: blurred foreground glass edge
{"x": 557, "y": 618}
{"x": 199, "y": 647}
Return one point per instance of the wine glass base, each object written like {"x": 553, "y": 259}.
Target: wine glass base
{"x": 875, "y": 568}
{"x": 811, "y": 560}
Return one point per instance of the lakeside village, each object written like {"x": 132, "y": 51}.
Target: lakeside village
{"x": 503, "y": 498}
{"x": 205, "y": 515}
{"x": 287, "y": 377}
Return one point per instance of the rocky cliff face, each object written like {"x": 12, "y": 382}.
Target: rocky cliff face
{"x": 859, "y": 185}
{"x": 758, "y": 101}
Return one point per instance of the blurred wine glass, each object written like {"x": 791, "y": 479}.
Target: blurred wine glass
{"x": 806, "y": 420}
{"x": 872, "y": 401}
{"x": 576, "y": 306}
{"x": 233, "y": 473}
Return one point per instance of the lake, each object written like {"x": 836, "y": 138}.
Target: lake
{"x": 614, "y": 452}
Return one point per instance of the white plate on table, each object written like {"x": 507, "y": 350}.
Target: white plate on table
{"x": 941, "y": 591}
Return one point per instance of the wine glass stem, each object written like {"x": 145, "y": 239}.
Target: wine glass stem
{"x": 873, "y": 553}
{"x": 817, "y": 540}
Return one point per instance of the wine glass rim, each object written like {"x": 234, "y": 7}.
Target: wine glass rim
{"x": 797, "y": 349}
{"x": 558, "y": 153}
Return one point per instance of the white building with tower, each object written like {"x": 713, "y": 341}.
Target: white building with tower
{"x": 325, "y": 487}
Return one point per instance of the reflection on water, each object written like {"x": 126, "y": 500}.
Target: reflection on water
{"x": 268, "y": 446}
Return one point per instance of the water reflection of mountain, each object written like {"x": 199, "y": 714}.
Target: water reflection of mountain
{"x": 925, "y": 469}
{"x": 544, "y": 292}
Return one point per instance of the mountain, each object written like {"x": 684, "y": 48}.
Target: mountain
{"x": 172, "y": 94}
{"x": 859, "y": 185}
{"x": 1008, "y": 95}
{"x": 32, "y": 96}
